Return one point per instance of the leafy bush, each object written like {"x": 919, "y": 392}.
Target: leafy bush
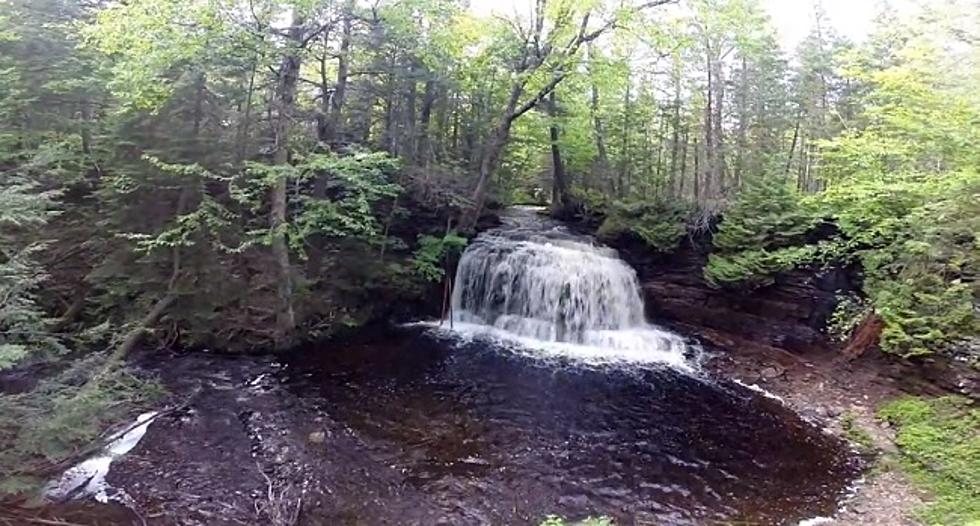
{"x": 850, "y": 311}
{"x": 659, "y": 223}
{"x": 915, "y": 237}
{"x": 24, "y": 327}
{"x": 940, "y": 450}
{"x": 761, "y": 235}
{"x": 428, "y": 259}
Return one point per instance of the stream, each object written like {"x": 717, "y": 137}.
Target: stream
{"x": 546, "y": 392}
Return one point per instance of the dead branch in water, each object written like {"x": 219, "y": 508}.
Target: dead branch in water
{"x": 279, "y": 507}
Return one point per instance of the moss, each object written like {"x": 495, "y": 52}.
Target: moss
{"x": 855, "y": 433}
{"x": 939, "y": 443}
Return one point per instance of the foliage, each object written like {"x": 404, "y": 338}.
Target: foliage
{"x": 287, "y": 163}
{"x": 354, "y": 183}
{"x": 24, "y": 325}
{"x": 761, "y": 235}
{"x": 659, "y": 223}
{"x": 902, "y": 200}
{"x": 850, "y": 311}
{"x": 429, "y": 258}
{"x": 854, "y": 432}
{"x": 940, "y": 450}
{"x": 60, "y": 417}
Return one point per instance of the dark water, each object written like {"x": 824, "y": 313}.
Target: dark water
{"x": 487, "y": 436}
{"x": 421, "y": 426}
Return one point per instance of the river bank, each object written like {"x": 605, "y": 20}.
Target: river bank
{"x": 841, "y": 398}
{"x": 775, "y": 338}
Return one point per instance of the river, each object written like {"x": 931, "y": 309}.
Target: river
{"x": 546, "y": 392}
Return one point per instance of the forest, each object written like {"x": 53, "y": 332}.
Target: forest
{"x": 252, "y": 175}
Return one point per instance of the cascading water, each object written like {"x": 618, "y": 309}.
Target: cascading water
{"x": 533, "y": 281}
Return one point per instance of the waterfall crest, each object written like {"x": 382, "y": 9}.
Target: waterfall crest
{"x": 531, "y": 280}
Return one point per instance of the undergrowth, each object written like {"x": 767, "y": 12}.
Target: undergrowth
{"x": 659, "y": 223}
{"x": 939, "y": 442}
{"x": 44, "y": 430}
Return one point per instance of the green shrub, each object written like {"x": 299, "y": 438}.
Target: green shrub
{"x": 854, "y": 432}
{"x": 62, "y": 417}
{"x": 761, "y": 235}
{"x": 914, "y": 236}
{"x": 659, "y": 223}
{"x": 939, "y": 442}
{"x": 427, "y": 261}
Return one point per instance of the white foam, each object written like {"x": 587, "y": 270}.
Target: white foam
{"x": 634, "y": 346}
{"x": 763, "y": 392}
{"x": 816, "y": 521}
{"x": 87, "y": 479}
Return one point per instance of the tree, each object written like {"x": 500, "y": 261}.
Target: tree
{"x": 545, "y": 53}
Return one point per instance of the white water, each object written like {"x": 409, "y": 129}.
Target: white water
{"x": 87, "y": 479}
{"x": 532, "y": 282}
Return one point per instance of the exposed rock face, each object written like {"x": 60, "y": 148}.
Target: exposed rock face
{"x": 786, "y": 318}
{"x": 788, "y": 315}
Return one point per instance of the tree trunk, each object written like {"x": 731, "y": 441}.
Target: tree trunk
{"x": 659, "y": 175}
{"x": 410, "y": 140}
{"x": 683, "y": 172}
{"x": 491, "y": 155}
{"x": 624, "y": 165}
{"x": 718, "y": 139}
{"x": 743, "y": 123}
{"x": 135, "y": 335}
{"x": 801, "y": 170}
{"x": 488, "y": 165}
{"x": 709, "y": 136}
{"x": 423, "y": 147}
{"x": 697, "y": 172}
{"x": 333, "y": 131}
{"x": 285, "y": 105}
{"x": 389, "y": 141}
{"x": 675, "y": 135}
{"x": 86, "y": 128}
{"x": 560, "y": 200}
{"x": 454, "y": 141}
{"x": 323, "y": 117}
{"x": 244, "y": 132}
{"x": 792, "y": 147}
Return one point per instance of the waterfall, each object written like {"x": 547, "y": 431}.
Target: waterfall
{"x": 533, "y": 281}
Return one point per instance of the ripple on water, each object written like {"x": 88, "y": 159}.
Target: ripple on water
{"x": 483, "y": 430}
